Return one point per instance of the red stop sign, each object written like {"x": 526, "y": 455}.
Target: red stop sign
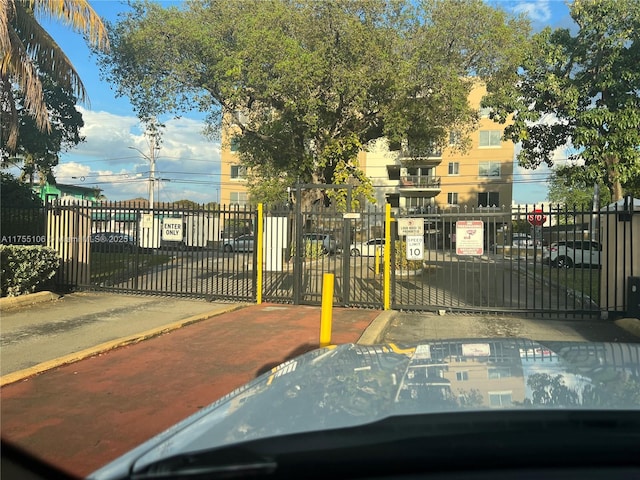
{"x": 537, "y": 218}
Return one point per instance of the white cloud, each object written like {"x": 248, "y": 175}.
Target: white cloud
{"x": 108, "y": 159}
{"x": 538, "y": 11}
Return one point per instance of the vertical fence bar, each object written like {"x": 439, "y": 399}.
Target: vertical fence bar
{"x": 259, "y": 250}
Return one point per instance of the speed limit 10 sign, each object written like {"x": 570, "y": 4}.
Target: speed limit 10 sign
{"x": 415, "y": 247}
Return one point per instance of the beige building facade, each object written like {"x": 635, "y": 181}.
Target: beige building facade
{"x": 479, "y": 177}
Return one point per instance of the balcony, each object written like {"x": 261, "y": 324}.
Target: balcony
{"x": 420, "y": 158}
{"x": 418, "y": 185}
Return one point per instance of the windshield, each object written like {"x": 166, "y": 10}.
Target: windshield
{"x": 224, "y": 222}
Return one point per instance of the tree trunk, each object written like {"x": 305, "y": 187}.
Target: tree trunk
{"x": 614, "y": 179}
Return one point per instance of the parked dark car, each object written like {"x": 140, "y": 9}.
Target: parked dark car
{"x": 112, "y": 242}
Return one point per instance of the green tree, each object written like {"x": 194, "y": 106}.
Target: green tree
{"x": 565, "y": 190}
{"x": 16, "y": 194}
{"x": 28, "y": 50}
{"x": 37, "y": 150}
{"x": 589, "y": 83}
{"x": 308, "y": 84}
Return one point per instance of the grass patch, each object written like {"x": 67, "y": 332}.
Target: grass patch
{"x": 121, "y": 265}
{"x": 584, "y": 281}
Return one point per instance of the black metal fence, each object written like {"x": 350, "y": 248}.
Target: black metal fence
{"x": 543, "y": 262}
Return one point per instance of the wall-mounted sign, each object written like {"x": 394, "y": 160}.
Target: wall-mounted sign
{"x": 469, "y": 237}
{"x": 415, "y": 247}
{"x": 411, "y": 226}
{"x": 172, "y": 229}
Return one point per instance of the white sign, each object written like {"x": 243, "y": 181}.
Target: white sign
{"x": 411, "y": 226}
{"x": 172, "y": 229}
{"x": 353, "y": 216}
{"x": 476, "y": 350}
{"x": 147, "y": 220}
{"x": 415, "y": 247}
{"x": 469, "y": 237}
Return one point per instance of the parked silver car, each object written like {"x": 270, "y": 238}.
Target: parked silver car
{"x": 328, "y": 242}
{"x": 243, "y": 243}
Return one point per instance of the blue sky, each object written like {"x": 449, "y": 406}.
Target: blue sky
{"x": 188, "y": 162}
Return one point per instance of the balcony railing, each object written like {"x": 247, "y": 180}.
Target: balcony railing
{"x": 418, "y": 181}
{"x": 415, "y": 154}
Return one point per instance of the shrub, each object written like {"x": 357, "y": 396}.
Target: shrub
{"x": 25, "y": 268}
{"x": 312, "y": 250}
{"x": 401, "y": 262}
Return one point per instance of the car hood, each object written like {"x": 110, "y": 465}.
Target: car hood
{"x": 348, "y": 385}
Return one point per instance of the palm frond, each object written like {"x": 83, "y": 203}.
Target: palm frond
{"x": 76, "y": 14}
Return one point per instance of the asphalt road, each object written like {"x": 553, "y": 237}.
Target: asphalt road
{"x": 408, "y": 328}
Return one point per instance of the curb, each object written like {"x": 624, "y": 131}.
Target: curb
{"x": 28, "y": 299}
{"x": 375, "y": 331}
{"x": 105, "y": 347}
{"x": 631, "y": 325}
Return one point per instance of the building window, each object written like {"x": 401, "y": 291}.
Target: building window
{"x": 500, "y": 399}
{"x": 454, "y": 168}
{"x": 485, "y": 112}
{"x": 239, "y": 198}
{"x": 490, "y": 138}
{"x": 234, "y": 143}
{"x": 393, "y": 172}
{"x": 489, "y": 169}
{"x": 462, "y": 376}
{"x": 238, "y": 172}
{"x": 488, "y": 199}
{"x": 499, "y": 372}
{"x": 454, "y": 138}
{"x": 452, "y": 198}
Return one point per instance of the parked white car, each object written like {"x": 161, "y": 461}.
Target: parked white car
{"x": 521, "y": 240}
{"x": 368, "y": 248}
{"x": 572, "y": 253}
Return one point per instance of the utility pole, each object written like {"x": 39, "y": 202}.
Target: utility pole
{"x": 153, "y": 148}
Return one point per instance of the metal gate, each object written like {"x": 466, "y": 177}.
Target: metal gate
{"x": 542, "y": 263}
{"x": 551, "y": 263}
{"x": 300, "y": 248}
{"x": 165, "y": 250}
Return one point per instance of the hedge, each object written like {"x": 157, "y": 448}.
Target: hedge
{"x": 25, "y": 268}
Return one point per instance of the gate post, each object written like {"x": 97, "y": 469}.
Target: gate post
{"x": 297, "y": 264}
{"x": 386, "y": 303}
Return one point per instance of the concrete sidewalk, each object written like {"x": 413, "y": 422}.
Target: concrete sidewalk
{"x": 44, "y": 330}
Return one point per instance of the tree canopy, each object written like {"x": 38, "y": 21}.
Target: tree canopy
{"x": 306, "y": 84}
{"x": 36, "y": 150}
{"x": 588, "y": 85}
{"x": 27, "y": 51}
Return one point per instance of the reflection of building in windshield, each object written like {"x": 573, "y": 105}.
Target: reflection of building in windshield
{"x": 486, "y": 375}
{"x": 467, "y": 374}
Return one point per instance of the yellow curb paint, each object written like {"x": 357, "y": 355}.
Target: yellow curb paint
{"x": 105, "y": 347}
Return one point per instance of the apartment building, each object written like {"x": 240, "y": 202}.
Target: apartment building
{"x": 233, "y": 176}
{"x": 451, "y": 179}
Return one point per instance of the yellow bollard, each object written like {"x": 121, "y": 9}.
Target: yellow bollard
{"x": 327, "y": 310}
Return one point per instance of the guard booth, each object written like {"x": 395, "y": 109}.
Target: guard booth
{"x": 620, "y": 258}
